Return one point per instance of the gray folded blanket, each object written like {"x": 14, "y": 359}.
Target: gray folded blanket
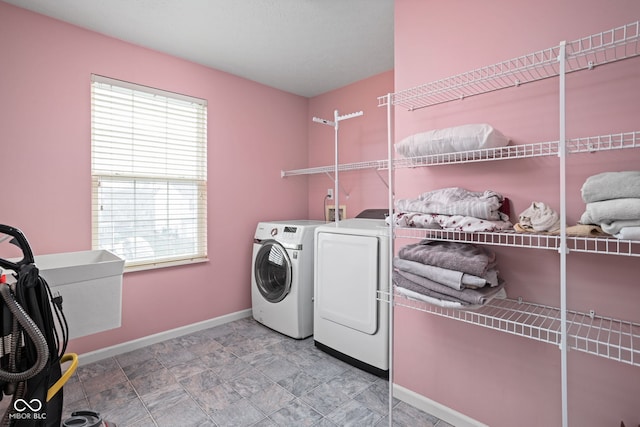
{"x": 424, "y": 286}
{"x": 611, "y": 185}
{"x": 451, "y": 278}
{"x": 608, "y": 211}
{"x": 464, "y": 257}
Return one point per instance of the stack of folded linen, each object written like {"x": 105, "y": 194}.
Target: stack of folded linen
{"x": 447, "y": 274}
{"x": 613, "y": 202}
{"x": 454, "y": 209}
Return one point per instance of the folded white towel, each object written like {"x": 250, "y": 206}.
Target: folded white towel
{"x": 608, "y": 211}
{"x": 611, "y": 185}
{"x": 539, "y": 217}
{"x": 615, "y": 227}
{"x": 629, "y": 233}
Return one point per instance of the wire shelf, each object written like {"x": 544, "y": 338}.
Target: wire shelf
{"x": 585, "y": 53}
{"x": 372, "y": 164}
{"x": 521, "y": 151}
{"x": 601, "y": 336}
{"x": 590, "y": 144}
{"x": 617, "y": 141}
{"x": 603, "y": 48}
{"x": 511, "y": 73}
{"x": 596, "y": 245}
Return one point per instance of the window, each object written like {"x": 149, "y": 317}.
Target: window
{"x": 149, "y": 174}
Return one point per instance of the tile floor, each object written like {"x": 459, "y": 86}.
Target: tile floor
{"x": 237, "y": 374}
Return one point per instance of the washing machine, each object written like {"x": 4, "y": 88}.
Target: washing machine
{"x": 282, "y": 276}
{"x": 351, "y": 265}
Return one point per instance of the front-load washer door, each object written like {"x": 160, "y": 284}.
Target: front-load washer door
{"x": 347, "y": 280}
{"x": 273, "y": 271}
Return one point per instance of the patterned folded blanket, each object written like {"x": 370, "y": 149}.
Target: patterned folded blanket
{"x": 456, "y": 201}
{"x": 467, "y": 224}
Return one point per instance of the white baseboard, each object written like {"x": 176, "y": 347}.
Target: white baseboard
{"x": 434, "y": 408}
{"x": 115, "y": 350}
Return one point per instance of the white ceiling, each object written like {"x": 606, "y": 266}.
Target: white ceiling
{"x": 306, "y": 47}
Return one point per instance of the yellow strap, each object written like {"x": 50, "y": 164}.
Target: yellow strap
{"x": 67, "y": 374}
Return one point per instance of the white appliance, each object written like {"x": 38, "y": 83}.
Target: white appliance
{"x": 282, "y": 276}
{"x": 351, "y": 265}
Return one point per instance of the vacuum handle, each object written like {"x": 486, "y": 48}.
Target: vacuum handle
{"x": 21, "y": 242}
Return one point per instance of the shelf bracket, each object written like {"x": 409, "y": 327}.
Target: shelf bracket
{"x": 386, "y": 184}
{"x": 340, "y": 187}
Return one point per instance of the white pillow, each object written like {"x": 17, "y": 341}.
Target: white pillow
{"x": 450, "y": 140}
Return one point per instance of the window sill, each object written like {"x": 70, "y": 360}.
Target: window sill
{"x": 158, "y": 265}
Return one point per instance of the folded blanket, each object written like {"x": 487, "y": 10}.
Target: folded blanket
{"x": 456, "y": 201}
{"x": 611, "y": 185}
{"x": 467, "y": 224}
{"x": 465, "y": 257}
{"x": 614, "y": 227}
{"x": 454, "y": 279}
{"x": 429, "y": 287}
{"x": 407, "y": 293}
{"x": 629, "y": 233}
{"x": 608, "y": 211}
{"x": 450, "y": 140}
{"x": 539, "y": 217}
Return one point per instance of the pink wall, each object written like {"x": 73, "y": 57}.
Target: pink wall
{"x": 500, "y": 379}
{"x": 361, "y": 138}
{"x": 496, "y": 378}
{"x": 253, "y": 132}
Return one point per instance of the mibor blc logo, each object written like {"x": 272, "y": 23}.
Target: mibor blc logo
{"x": 27, "y": 410}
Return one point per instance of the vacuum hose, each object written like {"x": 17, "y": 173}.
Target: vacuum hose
{"x": 32, "y": 331}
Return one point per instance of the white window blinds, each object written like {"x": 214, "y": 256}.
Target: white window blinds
{"x": 149, "y": 173}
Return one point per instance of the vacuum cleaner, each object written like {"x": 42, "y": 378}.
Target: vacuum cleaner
{"x": 32, "y": 342}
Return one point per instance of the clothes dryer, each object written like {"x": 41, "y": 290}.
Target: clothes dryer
{"x": 282, "y": 276}
{"x": 351, "y": 265}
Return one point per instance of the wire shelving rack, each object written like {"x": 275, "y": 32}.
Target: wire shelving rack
{"x": 587, "y": 332}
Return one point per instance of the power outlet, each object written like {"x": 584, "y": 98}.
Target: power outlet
{"x": 330, "y": 193}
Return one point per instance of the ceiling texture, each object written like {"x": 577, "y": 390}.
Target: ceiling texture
{"x": 305, "y": 47}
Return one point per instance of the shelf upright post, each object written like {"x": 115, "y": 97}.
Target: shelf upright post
{"x": 336, "y": 181}
{"x": 562, "y": 152}
{"x": 390, "y": 172}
